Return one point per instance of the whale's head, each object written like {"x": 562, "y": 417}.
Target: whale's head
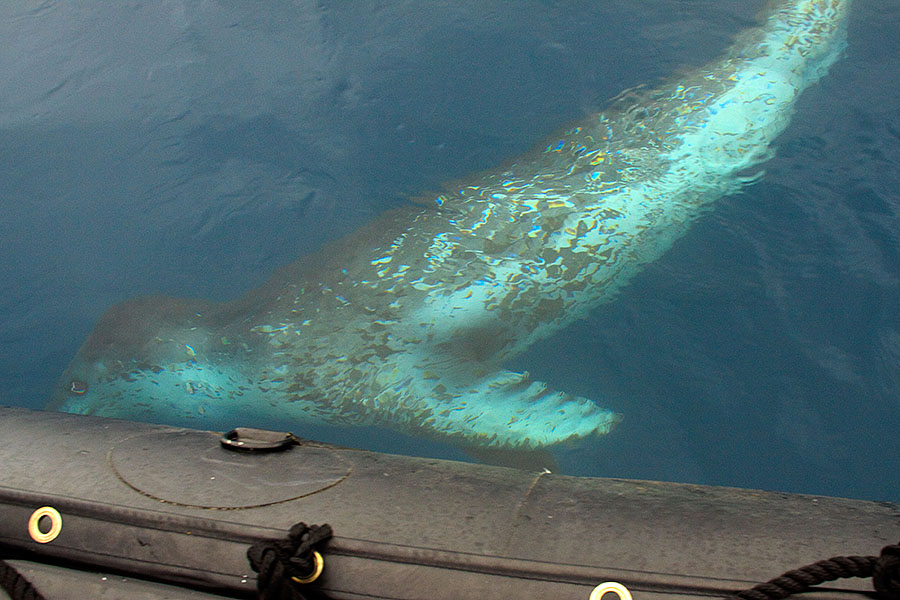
{"x": 143, "y": 358}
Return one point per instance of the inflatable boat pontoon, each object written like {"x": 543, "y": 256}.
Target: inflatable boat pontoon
{"x": 102, "y": 508}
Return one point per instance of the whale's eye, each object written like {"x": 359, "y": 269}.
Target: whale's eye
{"x": 78, "y": 387}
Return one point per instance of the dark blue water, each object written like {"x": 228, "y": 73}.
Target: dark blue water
{"x": 191, "y": 149}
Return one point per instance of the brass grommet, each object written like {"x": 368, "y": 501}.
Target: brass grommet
{"x": 320, "y": 565}
{"x": 34, "y": 529}
{"x": 610, "y": 586}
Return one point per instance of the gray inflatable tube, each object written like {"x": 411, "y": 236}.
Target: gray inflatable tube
{"x": 105, "y": 509}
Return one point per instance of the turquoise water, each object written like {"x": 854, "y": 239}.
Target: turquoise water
{"x": 158, "y": 149}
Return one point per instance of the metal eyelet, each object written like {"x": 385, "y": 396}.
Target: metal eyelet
{"x": 34, "y": 529}
{"x": 320, "y": 566}
{"x": 610, "y": 586}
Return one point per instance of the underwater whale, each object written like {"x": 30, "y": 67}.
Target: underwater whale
{"x": 407, "y": 323}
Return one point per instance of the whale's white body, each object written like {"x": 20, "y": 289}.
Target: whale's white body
{"x": 407, "y": 323}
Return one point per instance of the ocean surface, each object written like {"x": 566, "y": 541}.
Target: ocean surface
{"x": 190, "y": 149}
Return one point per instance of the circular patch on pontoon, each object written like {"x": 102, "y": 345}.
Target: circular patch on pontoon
{"x": 190, "y": 468}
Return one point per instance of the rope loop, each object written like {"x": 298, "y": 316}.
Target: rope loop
{"x": 287, "y": 566}
{"x": 14, "y": 583}
{"x": 886, "y": 573}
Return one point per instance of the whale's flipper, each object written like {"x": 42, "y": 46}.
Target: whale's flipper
{"x": 502, "y": 409}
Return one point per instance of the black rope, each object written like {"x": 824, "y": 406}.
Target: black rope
{"x": 14, "y": 583}
{"x": 884, "y": 571}
{"x": 278, "y": 561}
